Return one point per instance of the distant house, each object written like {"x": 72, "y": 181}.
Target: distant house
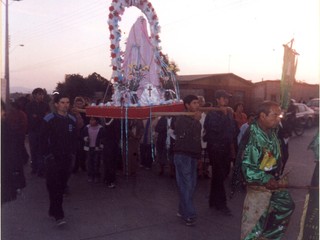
{"x": 251, "y": 94}
{"x": 206, "y": 84}
{"x": 270, "y": 90}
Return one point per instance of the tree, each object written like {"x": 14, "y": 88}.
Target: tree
{"x": 77, "y": 85}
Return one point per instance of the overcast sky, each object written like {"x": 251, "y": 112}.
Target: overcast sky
{"x": 244, "y": 37}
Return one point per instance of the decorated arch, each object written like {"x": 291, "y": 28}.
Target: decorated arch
{"x": 139, "y": 86}
{"x": 117, "y": 9}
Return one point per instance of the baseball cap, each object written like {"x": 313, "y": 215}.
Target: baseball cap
{"x": 222, "y": 93}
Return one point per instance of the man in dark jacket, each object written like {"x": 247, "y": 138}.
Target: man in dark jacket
{"x": 59, "y": 136}
{"x": 187, "y": 151}
{"x": 219, "y": 129}
{"x": 36, "y": 110}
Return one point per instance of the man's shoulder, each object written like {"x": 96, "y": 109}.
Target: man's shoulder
{"x": 30, "y": 105}
{"x": 184, "y": 119}
{"x": 73, "y": 118}
{"x": 49, "y": 117}
{"x": 214, "y": 114}
{"x": 244, "y": 127}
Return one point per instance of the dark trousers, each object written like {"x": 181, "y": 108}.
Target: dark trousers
{"x": 146, "y": 155}
{"x": 37, "y": 162}
{"x": 58, "y": 173}
{"x": 220, "y": 160}
{"x": 94, "y": 163}
{"x": 110, "y": 154}
{"x": 80, "y": 161}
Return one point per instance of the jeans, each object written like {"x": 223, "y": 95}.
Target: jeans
{"x": 186, "y": 176}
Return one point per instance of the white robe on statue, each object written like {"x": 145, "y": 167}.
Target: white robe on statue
{"x": 139, "y": 50}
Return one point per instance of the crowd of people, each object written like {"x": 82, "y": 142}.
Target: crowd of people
{"x": 213, "y": 140}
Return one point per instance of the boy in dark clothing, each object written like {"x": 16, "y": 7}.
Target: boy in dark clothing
{"x": 187, "y": 151}
{"x": 58, "y": 134}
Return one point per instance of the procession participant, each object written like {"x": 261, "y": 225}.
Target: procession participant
{"x": 187, "y": 151}
{"x": 36, "y": 110}
{"x": 165, "y": 143}
{"x": 268, "y": 205}
{"x": 92, "y": 135}
{"x": 111, "y": 146}
{"x": 219, "y": 129}
{"x": 59, "y": 138}
{"x": 78, "y": 111}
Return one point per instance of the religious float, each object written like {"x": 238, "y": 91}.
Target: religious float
{"x": 143, "y": 80}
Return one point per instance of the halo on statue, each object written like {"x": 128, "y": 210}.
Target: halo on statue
{"x": 141, "y": 75}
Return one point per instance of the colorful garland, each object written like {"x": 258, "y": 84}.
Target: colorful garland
{"x": 116, "y": 10}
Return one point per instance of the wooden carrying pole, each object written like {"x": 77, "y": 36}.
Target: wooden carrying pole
{"x": 201, "y": 109}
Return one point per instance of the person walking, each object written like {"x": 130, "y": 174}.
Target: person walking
{"x": 78, "y": 110}
{"x": 92, "y": 136}
{"x": 12, "y": 176}
{"x": 165, "y": 143}
{"x": 239, "y": 116}
{"x": 131, "y": 146}
{"x": 147, "y": 143}
{"x": 36, "y": 110}
{"x": 111, "y": 139}
{"x": 268, "y": 205}
{"x": 59, "y": 141}
{"x": 187, "y": 151}
{"x": 219, "y": 129}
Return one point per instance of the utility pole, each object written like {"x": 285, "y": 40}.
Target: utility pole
{"x": 6, "y": 68}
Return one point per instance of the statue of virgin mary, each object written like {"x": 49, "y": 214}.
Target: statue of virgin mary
{"x": 141, "y": 71}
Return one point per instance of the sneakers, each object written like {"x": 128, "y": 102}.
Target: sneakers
{"x": 111, "y": 185}
{"x": 60, "y": 222}
{"x": 190, "y": 221}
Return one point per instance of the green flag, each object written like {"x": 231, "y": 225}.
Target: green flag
{"x": 289, "y": 69}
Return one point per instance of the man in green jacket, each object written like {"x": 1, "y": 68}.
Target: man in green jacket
{"x": 268, "y": 205}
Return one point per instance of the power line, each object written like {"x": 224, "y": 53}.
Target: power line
{"x": 82, "y": 14}
{"x": 55, "y": 25}
{"x": 226, "y": 6}
{"x": 59, "y": 19}
{"x": 56, "y": 59}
